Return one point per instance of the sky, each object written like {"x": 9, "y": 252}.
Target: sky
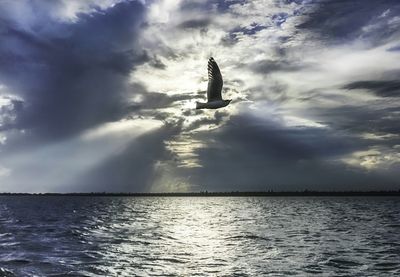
{"x": 99, "y": 95}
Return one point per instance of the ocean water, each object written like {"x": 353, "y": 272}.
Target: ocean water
{"x": 199, "y": 236}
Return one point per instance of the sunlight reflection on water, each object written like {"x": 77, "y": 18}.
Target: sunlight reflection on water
{"x": 223, "y": 236}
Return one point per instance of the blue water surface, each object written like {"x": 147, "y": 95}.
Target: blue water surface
{"x": 199, "y": 236}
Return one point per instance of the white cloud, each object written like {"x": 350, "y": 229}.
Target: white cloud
{"x": 28, "y": 12}
{"x": 375, "y": 158}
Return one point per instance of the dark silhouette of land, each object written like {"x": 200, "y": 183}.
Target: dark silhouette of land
{"x": 219, "y": 194}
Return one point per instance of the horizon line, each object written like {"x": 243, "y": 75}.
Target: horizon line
{"x": 215, "y": 193}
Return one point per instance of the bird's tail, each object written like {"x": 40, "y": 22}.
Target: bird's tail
{"x": 199, "y": 105}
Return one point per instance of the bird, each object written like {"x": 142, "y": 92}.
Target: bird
{"x": 214, "y": 98}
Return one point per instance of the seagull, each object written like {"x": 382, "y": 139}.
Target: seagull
{"x": 214, "y": 98}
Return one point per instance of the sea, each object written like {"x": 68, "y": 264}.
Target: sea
{"x": 199, "y": 236}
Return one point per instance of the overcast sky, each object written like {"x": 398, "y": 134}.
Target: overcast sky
{"x": 99, "y": 95}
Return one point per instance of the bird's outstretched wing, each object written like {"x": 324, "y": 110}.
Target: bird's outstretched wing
{"x": 214, "y": 81}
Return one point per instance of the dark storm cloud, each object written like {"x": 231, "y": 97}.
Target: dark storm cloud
{"x": 394, "y": 49}
{"x": 341, "y": 21}
{"x": 287, "y": 143}
{"x": 368, "y": 118}
{"x": 389, "y": 88}
{"x": 75, "y": 75}
{"x": 248, "y": 154}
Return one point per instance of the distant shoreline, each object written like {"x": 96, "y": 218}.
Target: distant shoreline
{"x": 219, "y": 194}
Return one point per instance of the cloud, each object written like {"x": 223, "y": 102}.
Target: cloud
{"x": 66, "y": 94}
{"x": 75, "y": 76}
{"x": 9, "y": 109}
{"x": 251, "y": 155}
{"x": 195, "y": 23}
{"x": 389, "y": 88}
{"x": 314, "y": 89}
{"x": 300, "y": 86}
{"x": 376, "y": 117}
{"x": 375, "y": 157}
{"x": 340, "y": 21}
{"x": 269, "y": 66}
{"x": 31, "y": 13}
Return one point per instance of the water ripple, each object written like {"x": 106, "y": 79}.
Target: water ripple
{"x": 243, "y": 236}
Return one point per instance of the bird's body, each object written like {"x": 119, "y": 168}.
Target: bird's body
{"x": 216, "y": 104}
{"x": 215, "y": 83}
